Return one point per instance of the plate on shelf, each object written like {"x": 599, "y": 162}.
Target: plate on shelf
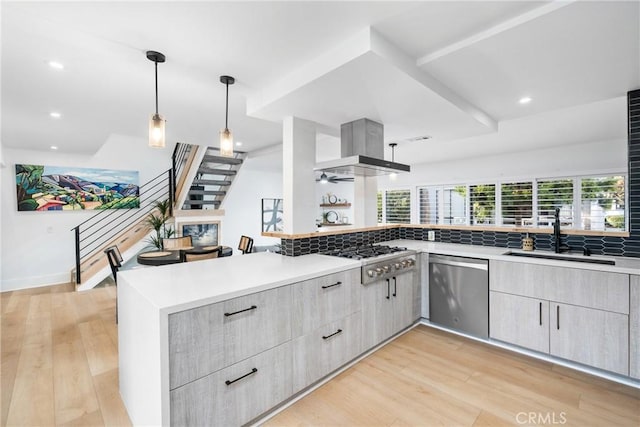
{"x": 332, "y": 217}
{"x": 333, "y": 199}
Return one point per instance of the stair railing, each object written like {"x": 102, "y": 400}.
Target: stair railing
{"x": 93, "y": 234}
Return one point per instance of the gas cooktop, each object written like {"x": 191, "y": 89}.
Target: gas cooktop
{"x": 365, "y": 251}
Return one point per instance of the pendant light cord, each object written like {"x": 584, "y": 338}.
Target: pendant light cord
{"x": 226, "y": 114}
{"x": 156, "y": 62}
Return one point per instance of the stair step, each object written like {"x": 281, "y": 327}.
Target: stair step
{"x": 216, "y": 171}
{"x": 220, "y": 159}
{"x": 211, "y": 182}
{"x": 201, "y": 202}
{"x": 207, "y": 192}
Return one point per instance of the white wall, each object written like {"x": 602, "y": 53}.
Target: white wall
{"x": 38, "y": 247}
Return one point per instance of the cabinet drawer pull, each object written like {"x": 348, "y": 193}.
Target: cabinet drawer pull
{"x": 329, "y": 336}
{"x": 388, "y": 289}
{"x": 540, "y": 315}
{"x": 331, "y": 286}
{"x": 558, "y": 317}
{"x": 395, "y": 287}
{"x": 253, "y": 307}
{"x": 253, "y": 371}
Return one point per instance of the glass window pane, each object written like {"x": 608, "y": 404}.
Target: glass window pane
{"x": 517, "y": 204}
{"x": 398, "y": 206}
{"x": 602, "y": 203}
{"x": 552, "y": 194}
{"x": 482, "y": 198}
{"x": 379, "y": 207}
{"x": 455, "y": 205}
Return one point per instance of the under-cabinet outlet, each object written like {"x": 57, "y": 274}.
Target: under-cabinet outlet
{"x": 431, "y": 236}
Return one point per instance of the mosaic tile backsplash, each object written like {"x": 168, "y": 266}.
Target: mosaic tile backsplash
{"x": 600, "y": 245}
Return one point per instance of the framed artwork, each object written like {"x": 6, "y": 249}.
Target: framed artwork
{"x": 203, "y": 233}
{"x": 272, "y": 215}
{"x": 55, "y": 188}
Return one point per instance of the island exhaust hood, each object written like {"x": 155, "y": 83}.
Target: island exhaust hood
{"x": 362, "y": 151}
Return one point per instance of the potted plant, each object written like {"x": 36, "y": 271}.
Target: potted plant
{"x": 157, "y": 222}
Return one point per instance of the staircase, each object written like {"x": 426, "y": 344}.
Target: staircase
{"x": 214, "y": 176}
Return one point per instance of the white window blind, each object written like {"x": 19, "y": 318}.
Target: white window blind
{"x": 482, "y": 204}
{"x": 552, "y": 194}
{"x": 602, "y": 203}
{"x": 398, "y": 206}
{"x": 428, "y": 198}
{"x": 517, "y": 204}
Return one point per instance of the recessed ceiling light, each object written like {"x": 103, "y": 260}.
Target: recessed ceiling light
{"x": 53, "y": 147}
{"x": 56, "y": 65}
{"x": 525, "y": 100}
{"x": 55, "y": 114}
{"x": 238, "y": 144}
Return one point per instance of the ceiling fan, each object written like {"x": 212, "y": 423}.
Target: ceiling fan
{"x": 332, "y": 179}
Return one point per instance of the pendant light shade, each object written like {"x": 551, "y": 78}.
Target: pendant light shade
{"x": 157, "y": 122}
{"x": 226, "y": 137}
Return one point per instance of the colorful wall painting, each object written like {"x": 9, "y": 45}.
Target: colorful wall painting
{"x": 54, "y": 188}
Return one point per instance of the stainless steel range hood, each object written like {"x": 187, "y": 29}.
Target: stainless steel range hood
{"x": 362, "y": 151}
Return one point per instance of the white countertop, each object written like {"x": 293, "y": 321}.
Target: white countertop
{"x": 626, "y": 265}
{"x": 178, "y": 287}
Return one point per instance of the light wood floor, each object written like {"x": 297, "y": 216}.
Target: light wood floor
{"x": 60, "y": 367}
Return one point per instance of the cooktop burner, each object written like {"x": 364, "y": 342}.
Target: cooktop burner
{"x": 365, "y": 251}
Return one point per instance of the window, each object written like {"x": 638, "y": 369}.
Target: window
{"x": 517, "y": 204}
{"x": 602, "y": 203}
{"x": 482, "y": 201}
{"x": 454, "y": 205}
{"x": 428, "y": 205}
{"x": 398, "y": 206}
{"x": 379, "y": 207}
{"x": 555, "y": 194}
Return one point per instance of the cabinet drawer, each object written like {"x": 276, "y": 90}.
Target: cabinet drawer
{"x": 237, "y": 394}
{"x": 324, "y": 299}
{"x": 587, "y": 288}
{"x": 205, "y": 339}
{"x": 325, "y": 349}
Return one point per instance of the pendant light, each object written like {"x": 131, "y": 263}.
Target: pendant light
{"x": 226, "y": 137}
{"x": 323, "y": 178}
{"x": 157, "y": 122}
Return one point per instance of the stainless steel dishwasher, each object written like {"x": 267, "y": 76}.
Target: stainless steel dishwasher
{"x": 459, "y": 293}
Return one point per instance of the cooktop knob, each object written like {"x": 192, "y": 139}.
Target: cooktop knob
{"x": 371, "y": 273}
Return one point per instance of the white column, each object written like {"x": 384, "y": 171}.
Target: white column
{"x": 365, "y": 202}
{"x": 299, "y": 182}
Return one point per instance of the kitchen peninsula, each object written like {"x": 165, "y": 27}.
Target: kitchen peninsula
{"x": 240, "y": 330}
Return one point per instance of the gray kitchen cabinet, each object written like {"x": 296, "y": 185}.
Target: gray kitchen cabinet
{"x": 377, "y": 313}
{"x": 325, "y": 349}
{"x": 388, "y": 306}
{"x": 594, "y": 337}
{"x": 324, "y": 299}
{"x": 205, "y": 339}
{"x": 588, "y": 312}
{"x": 237, "y": 394}
{"x": 634, "y": 326}
{"x": 518, "y": 320}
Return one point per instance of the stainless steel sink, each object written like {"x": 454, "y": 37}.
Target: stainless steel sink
{"x": 560, "y": 257}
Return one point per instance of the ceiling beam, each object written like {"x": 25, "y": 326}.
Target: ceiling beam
{"x": 493, "y": 31}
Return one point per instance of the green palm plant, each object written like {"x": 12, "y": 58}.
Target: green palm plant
{"x": 157, "y": 222}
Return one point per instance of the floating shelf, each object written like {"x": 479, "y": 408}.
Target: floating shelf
{"x": 335, "y": 205}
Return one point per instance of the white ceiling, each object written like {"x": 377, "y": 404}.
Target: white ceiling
{"x": 451, "y": 70}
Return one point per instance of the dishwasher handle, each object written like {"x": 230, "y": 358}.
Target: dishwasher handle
{"x": 479, "y": 264}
